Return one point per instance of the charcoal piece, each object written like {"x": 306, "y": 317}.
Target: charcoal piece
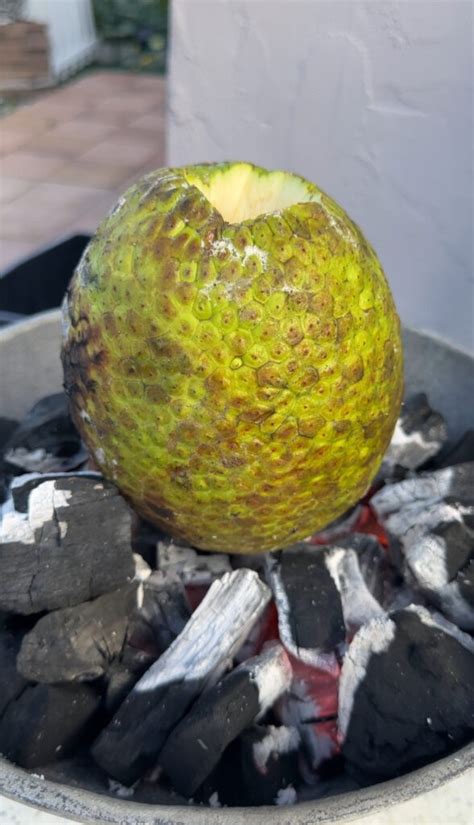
{"x": 120, "y": 681}
{"x": 131, "y": 743}
{"x": 320, "y": 741}
{"x": 412, "y": 520}
{"x": 46, "y": 440}
{"x": 269, "y": 763}
{"x": 426, "y": 489}
{"x": 78, "y": 643}
{"x": 436, "y": 563}
{"x": 371, "y": 559}
{"x": 7, "y": 428}
{"x": 189, "y": 566}
{"x": 460, "y": 453}
{"x": 419, "y": 434}
{"x": 12, "y": 683}
{"x": 163, "y": 613}
{"x": 78, "y": 771}
{"x": 359, "y": 606}
{"x": 47, "y": 722}
{"x": 22, "y": 486}
{"x": 72, "y": 545}
{"x": 145, "y": 538}
{"x": 394, "y": 714}
{"x": 195, "y": 746}
{"x": 310, "y": 616}
{"x": 340, "y": 527}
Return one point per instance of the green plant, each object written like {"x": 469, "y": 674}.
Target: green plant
{"x": 117, "y": 19}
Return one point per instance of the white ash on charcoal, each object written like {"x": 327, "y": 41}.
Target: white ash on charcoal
{"x": 78, "y": 644}
{"x": 435, "y": 539}
{"x": 426, "y": 489}
{"x": 394, "y": 714}
{"x": 419, "y": 435}
{"x": 46, "y": 440}
{"x": 196, "y": 745}
{"x": 73, "y": 544}
{"x": 189, "y": 566}
{"x": 310, "y": 617}
{"x": 22, "y": 486}
{"x": 346, "y": 567}
{"x": 130, "y": 745}
{"x": 46, "y": 722}
{"x": 267, "y": 763}
{"x": 310, "y": 706}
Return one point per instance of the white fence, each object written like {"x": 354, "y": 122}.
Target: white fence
{"x": 72, "y": 34}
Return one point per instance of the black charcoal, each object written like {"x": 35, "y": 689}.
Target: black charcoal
{"x": 310, "y": 616}
{"x": 12, "y": 683}
{"x": 189, "y": 566}
{"x": 268, "y": 764}
{"x": 164, "y": 611}
{"x": 460, "y": 453}
{"x": 394, "y": 710}
{"x": 196, "y": 745}
{"x": 419, "y": 434}
{"x": 131, "y": 743}
{"x": 72, "y": 545}
{"x": 46, "y": 722}
{"x": 46, "y": 440}
{"x": 78, "y": 643}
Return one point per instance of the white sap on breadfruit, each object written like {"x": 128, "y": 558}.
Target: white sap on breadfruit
{"x": 286, "y": 796}
{"x": 374, "y": 637}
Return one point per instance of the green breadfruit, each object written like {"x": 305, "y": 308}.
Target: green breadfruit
{"x": 232, "y": 354}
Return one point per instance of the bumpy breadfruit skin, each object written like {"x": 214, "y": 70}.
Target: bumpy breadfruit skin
{"x": 239, "y": 383}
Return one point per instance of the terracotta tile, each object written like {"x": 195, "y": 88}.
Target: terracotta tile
{"x": 131, "y": 147}
{"x": 12, "y": 139}
{"x": 12, "y": 252}
{"x": 72, "y": 138}
{"x": 104, "y": 81}
{"x": 29, "y": 166}
{"x": 133, "y": 102}
{"x": 47, "y": 209}
{"x": 88, "y": 173}
{"x": 11, "y": 188}
{"x": 25, "y": 121}
{"x": 151, "y": 83}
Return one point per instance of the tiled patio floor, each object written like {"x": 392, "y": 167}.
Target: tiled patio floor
{"x": 65, "y": 158}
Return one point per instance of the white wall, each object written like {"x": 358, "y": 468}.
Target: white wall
{"x": 71, "y": 32}
{"x": 371, "y": 100}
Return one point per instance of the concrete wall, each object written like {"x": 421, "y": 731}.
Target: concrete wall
{"x": 371, "y": 100}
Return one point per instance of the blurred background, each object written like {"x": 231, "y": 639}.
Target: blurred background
{"x": 371, "y": 100}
